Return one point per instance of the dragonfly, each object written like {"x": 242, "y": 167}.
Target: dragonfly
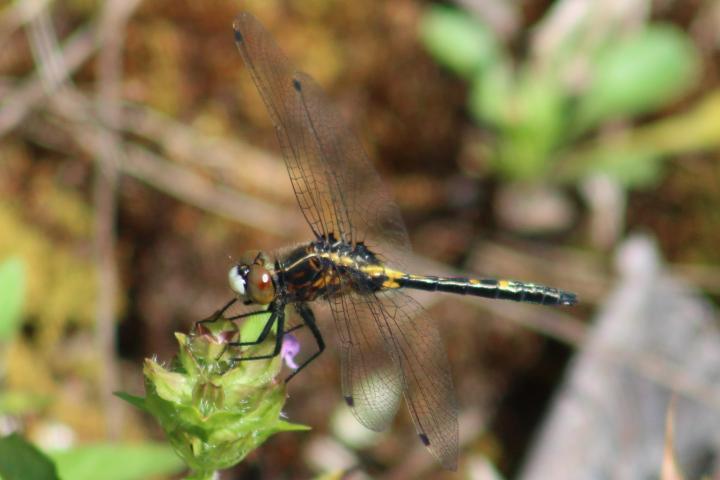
{"x": 389, "y": 347}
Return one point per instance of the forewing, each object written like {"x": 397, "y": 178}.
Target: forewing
{"x": 367, "y": 211}
{"x": 429, "y": 391}
{"x": 335, "y": 184}
{"x": 372, "y": 382}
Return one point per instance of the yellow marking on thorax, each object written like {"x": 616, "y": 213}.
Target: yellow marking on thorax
{"x": 343, "y": 260}
{"x": 299, "y": 261}
{"x": 326, "y": 280}
{"x": 379, "y": 270}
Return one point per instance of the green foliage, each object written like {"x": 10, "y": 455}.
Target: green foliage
{"x": 59, "y": 283}
{"x": 635, "y": 159}
{"x": 491, "y": 94}
{"x": 639, "y": 74}
{"x": 528, "y": 113}
{"x": 134, "y": 400}
{"x": 253, "y": 326}
{"x": 117, "y": 461}
{"x": 12, "y": 294}
{"x": 20, "y": 460}
{"x": 538, "y": 119}
{"x": 213, "y": 409}
{"x": 631, "y": 168}
{"x": 462, "y": 44}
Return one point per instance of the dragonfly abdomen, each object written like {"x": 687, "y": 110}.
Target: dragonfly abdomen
{"x": 490, "y": 288}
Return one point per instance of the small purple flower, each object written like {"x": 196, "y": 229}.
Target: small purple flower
{"x": 290, "y": 348}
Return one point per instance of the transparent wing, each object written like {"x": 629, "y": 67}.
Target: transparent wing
{"x": 390, "y": 346}
{"x": 429, "y": 391}
{"x": 335, "y": 184}
{"x": 372, "y": 381}
{"x": 368, "y": 209}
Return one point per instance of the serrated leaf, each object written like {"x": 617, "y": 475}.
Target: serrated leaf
{"x": 117, "y": 461}
{"x": 21, "y": 460}
{"x": 458, "y": 41}
{"x": 12, "y": 293}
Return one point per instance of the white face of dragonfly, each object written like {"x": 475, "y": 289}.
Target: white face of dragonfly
{"x": 238, "y": 281}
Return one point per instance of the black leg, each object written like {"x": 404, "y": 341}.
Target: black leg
{"x": 245, "y": 315}
{"x": 296, "y": 327}
{"x": 308, "y": 319}
{"x": 278, "y": 315}
{"x": 261, "y": 338}
{"x": 217, "y": 315}
{"x": 263, "y": 334}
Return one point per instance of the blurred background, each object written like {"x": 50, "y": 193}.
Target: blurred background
{"x": 574, "y": 143}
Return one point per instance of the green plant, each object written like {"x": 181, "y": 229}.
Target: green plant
{"x": 12, "y": 295}
{"x": 21, "y": 460}
{"x": 538, "y": 116}
{"x": 214, "y": 409}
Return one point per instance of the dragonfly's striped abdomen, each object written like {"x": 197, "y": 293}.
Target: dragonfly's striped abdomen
{"x": 489, "y": 288}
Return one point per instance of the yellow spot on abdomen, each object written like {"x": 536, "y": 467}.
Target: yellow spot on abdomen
{"x": 390, "y": 284}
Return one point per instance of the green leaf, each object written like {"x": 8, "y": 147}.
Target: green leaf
{"x": 635, "y": 157}
{"x": 135, "y": 401}
{"x": 12, "y": 293}
{"x": 253, "y": 326}
{"x": 531, "y": 127}
{"x": 457, "y": 41}
{"x": 632, "y": 168}
{"x": 20, "y": 460}
{"x": 491, "y": 95}
{"x": 283, "y": 426}
{"x": 639, "y": 74}
{"x": 696, "y": 129}
{"x": 117, "y": 461}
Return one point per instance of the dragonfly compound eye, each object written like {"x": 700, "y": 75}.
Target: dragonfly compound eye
{"x": 260, "y": 285}
{"x": 237, "y": 276}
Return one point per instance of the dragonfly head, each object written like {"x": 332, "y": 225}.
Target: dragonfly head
{"x": 251, "y": 280}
